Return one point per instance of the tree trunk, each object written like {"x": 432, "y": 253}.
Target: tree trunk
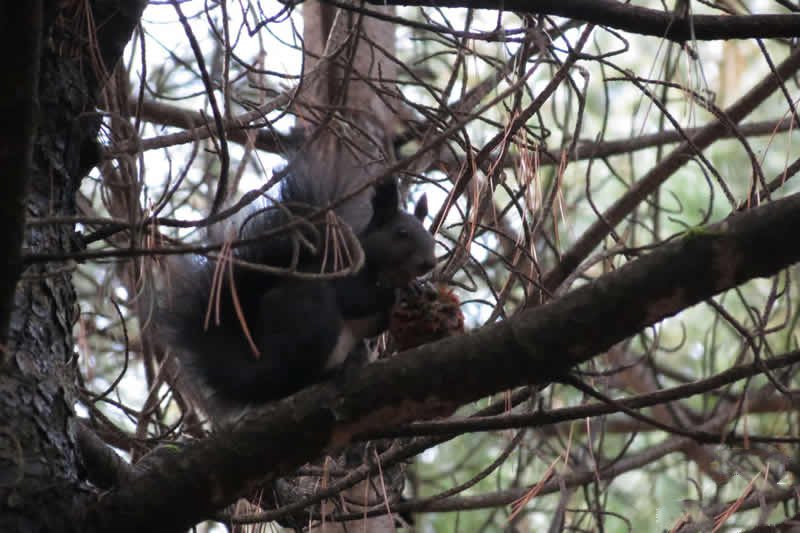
{"x": 43, "y": 487}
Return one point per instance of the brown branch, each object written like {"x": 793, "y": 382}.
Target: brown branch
{"x": 274, "y": 142}
{"x": 635, "y": 19}
{"x": 458, "y": 426}
{"x": 198, "y": 130}
{"x": 583, "y": 477}
{"x": 237, "y": 130}
{"x": 577, "y": 478}
{"x": 598, "y": 150}
{"x": 104, "y": 467}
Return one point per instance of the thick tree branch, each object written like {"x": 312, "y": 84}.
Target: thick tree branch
{"x": 635, "y": 19}
{"x": 104, "y": 467}
{"x": 537, "y": 346}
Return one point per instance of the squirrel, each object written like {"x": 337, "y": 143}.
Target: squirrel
{"x": 271, "y": 334}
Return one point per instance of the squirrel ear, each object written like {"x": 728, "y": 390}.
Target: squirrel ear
{"x": 384, "y": 203}
{"x": 421, "y": 209}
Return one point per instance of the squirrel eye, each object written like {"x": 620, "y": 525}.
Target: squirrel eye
{"x": 401, "y": 232}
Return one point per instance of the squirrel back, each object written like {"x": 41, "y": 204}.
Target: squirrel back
{"x": 248, "y": 336}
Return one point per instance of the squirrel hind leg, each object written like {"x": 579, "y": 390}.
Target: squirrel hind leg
{"x": 295, "y": 326}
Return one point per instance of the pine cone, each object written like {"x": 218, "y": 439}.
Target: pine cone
{"x": 424, "y": 313}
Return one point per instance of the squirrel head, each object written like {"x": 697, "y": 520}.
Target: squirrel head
{"x": 397, "y": 246}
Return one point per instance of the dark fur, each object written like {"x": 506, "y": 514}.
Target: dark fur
{"x": 295, "y": 323}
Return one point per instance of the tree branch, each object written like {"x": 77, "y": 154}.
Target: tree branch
{"x": 537, "y": 346}
{"x": 648, "y": 184}
{"x": 635, "y": 19}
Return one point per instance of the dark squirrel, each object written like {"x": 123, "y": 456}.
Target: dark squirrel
{"x": 298, "y": 329}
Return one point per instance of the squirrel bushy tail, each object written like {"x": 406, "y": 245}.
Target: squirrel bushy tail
{"x": 247, "y": 336}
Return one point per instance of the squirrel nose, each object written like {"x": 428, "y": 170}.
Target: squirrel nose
{"x": 426, "y": 265}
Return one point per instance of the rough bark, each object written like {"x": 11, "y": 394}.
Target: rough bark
{"x": 42, "y": 487}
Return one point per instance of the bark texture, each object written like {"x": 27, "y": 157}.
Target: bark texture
{"x": 43, "y": 487}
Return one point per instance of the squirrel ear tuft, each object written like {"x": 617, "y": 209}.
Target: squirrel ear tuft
{"x": 421, "y": 209}
{"x": 384, "y": 203}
